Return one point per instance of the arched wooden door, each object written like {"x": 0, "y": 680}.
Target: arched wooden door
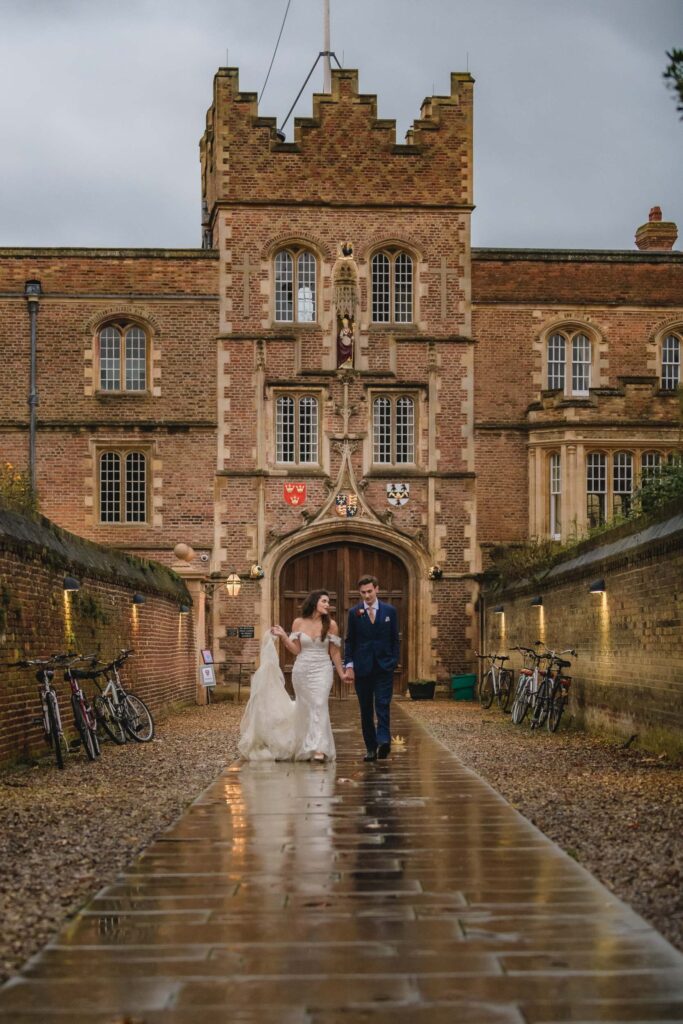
{"x": 337, "y": 568}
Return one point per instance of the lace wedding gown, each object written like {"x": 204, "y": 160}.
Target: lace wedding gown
{"x": 276, "y": 728}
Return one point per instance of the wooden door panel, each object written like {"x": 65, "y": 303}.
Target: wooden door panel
{"x": 337, "y": 568}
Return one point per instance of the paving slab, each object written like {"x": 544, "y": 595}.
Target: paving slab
{"x": 402, "y": 890}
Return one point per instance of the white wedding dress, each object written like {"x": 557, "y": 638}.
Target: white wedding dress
{"x": 276, "y": 728}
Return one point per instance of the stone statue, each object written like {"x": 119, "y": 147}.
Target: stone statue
{"x": 345, "y": 344}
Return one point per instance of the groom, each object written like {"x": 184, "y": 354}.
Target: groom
{"x": 371, "y": 654}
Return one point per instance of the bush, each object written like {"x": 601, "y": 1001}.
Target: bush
{"x": 16, "y": 490}
{"x": 661, "y": 489}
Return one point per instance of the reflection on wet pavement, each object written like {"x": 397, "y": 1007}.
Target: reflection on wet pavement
{"x": 401, "y": 890}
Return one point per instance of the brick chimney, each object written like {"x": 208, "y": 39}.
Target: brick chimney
{"x": 657, "y": 235}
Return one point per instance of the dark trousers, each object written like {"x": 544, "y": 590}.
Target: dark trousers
{"x": 374, "y": 697}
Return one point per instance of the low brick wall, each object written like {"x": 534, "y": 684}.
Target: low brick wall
{"x": 628, "y": 676}
{"x": 38, "y": 618}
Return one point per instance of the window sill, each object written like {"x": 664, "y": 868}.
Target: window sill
{"x": 123, "y": 394}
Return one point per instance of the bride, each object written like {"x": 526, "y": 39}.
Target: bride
{"x": 274, "y": 727}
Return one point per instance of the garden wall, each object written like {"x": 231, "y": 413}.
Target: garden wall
{"x": 629, "y": 672}
{"x": 38, "y": 618}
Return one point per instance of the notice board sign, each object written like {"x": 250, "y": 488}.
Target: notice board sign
{"x": 245, "y": 632}
{"x": 207, "y": 676}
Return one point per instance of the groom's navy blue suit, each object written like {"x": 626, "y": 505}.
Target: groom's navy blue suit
{"x": 373, "y": 649}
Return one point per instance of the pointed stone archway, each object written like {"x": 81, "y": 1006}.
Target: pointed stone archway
{"x": 336, "y": 566}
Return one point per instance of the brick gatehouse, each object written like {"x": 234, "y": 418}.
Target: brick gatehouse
{"x": 335, "y": 381}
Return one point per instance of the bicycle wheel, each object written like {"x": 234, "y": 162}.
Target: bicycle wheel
{"x": 137, "y": 718}
{"x": 557, "y": 706}
{"x": 56, "y": 737}
{"x": 505, "y": 682}
{"x": 520, "y": 704}
{"x": 486, "y": 690}
{"x": 109, "y": 720}
{"x": 540, "y": 712}
{"x": 81, "y": 721}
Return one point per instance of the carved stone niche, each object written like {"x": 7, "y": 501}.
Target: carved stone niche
{"x": 345, "y": 302}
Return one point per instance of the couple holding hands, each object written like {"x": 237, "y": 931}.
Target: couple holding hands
{"x": 276, "y": 728}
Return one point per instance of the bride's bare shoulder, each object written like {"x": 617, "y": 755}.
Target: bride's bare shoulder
{"x": 296, "y": 624}
{"x": 334, "y": 628}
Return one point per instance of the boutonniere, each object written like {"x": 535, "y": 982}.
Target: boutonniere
{"x": 360, "y": 611}
{"x": 388, "y": 618}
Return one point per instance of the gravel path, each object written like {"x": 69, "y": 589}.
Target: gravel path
{"x": 619, "y": 812}
{"x": 63, "y": 835}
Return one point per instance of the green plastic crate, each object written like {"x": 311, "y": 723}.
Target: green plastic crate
{"x": 462, "y": 687}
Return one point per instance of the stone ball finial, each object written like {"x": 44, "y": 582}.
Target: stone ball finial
{"x": 655, "y": 213}
{"x": 183, "y": 552}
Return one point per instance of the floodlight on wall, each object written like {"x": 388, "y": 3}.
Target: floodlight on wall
{"x": 184, "y": 609}
{"x": 233, "y": 585}
{"x": 597, "y": 588}
{"x": 139, "y": 599}
{"x": 537, "y": 602}
{"x": 498, "y": 610}
{"x": 71, "y": 584}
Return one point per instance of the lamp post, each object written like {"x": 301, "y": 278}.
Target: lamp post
{"x": 32, "y": 293}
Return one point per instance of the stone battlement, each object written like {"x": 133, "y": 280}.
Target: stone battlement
{"x": 344, "y": 155}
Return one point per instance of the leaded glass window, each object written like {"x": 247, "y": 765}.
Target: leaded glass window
{"x": 596, "y": 488}
{"x": 581, "y": 364}
{"x": 622, "y": 482}
{"x": 295, "y": 274}
{"x": 296, "y": 429}
{"x": 671, "y": 362}
{"x": 123, "y": 487}
{"x": 555, "y": 468}
{"x": 569, "y": 357}
{"x": 556, "y": 358}
{"x": 393, "y": 430}
{"x": 392, "y": 287}
{"x": 650, "y": 464}
{"x": 122, "y": 358}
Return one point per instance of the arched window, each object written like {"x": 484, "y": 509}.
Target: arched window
{"x": 596, "y": 488}
{"x": 122, "y": 357}
{"x": 622, "y": 482}
{"x": 295, "y": 278}
{"x": 555, "y": 473}
{"x": 671, "y": 362}
{"x": 392, "y": 287}
{"x": 296, "y": 429}
{"x": 569, "y": 358}
{"x": 393, "y": 430}
{"x": 123, "y": 487}
{"x": 650, "y": 465}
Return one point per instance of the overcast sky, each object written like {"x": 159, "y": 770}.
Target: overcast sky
{"x": 102, "y": 104}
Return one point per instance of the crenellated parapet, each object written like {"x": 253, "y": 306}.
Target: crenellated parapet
{"x": 344, "y": 155}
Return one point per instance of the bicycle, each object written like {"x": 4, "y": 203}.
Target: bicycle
{"x": 560, "y": 695}
{"x": 548, "y": 687}
{"x": 119, "y": 712}
{"x": 527, "y": 683}
{"x": 84, "y": 716}
{"x": 51, "y": 718}
{"x": 497, "y": 682}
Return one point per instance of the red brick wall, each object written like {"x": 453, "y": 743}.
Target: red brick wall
{"x": 37, "y": 619}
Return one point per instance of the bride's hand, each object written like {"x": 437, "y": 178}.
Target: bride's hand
{"x": 278, "y": 631}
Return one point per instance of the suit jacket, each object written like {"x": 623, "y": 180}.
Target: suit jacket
{"x": 372, "y": 645}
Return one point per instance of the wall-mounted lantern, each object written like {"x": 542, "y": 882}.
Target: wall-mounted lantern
{"x": 233, "y": 585}
{"x": 139, "y": 599}
{"x": 435, "y": 572}
{"x": 71, "y": 584}
{"x": 184, "y": 609}
{"x": 498, "y": 610}
{"x": 598, "y": 587}
{"x": 537, "y": 602}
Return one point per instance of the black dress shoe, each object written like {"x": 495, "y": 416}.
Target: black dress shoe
{"x": 371, "y": 755}
{"x": 383, "y": 751}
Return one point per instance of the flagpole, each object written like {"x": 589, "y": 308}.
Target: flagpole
{"x": 327, "y": 67}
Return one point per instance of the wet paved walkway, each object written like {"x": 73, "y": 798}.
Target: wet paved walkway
{"x": 405, "y": 890}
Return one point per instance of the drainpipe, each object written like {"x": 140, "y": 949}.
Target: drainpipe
{"x": 32, "y": 292}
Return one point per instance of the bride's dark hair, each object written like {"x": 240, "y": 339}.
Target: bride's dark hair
{"x": 309, "y": 606}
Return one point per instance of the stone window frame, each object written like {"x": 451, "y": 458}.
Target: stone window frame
{"x": 555, "y": 495}
{"x": 392, "y": 251}
{"x": 297, "y": 395}
{"x": 671, "y": 380}
{"x": 123, "y": 451}
{"x": 570, "y": 330}
{"x": 295, "y": 250}
{"x": 123, "y": 323}
{"x": 394, "y": 395}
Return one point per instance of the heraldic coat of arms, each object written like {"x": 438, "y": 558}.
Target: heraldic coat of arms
{"x": 346, "y": 505}
{"x": 398, "y": 494}
{"x": 295, "y": 494}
